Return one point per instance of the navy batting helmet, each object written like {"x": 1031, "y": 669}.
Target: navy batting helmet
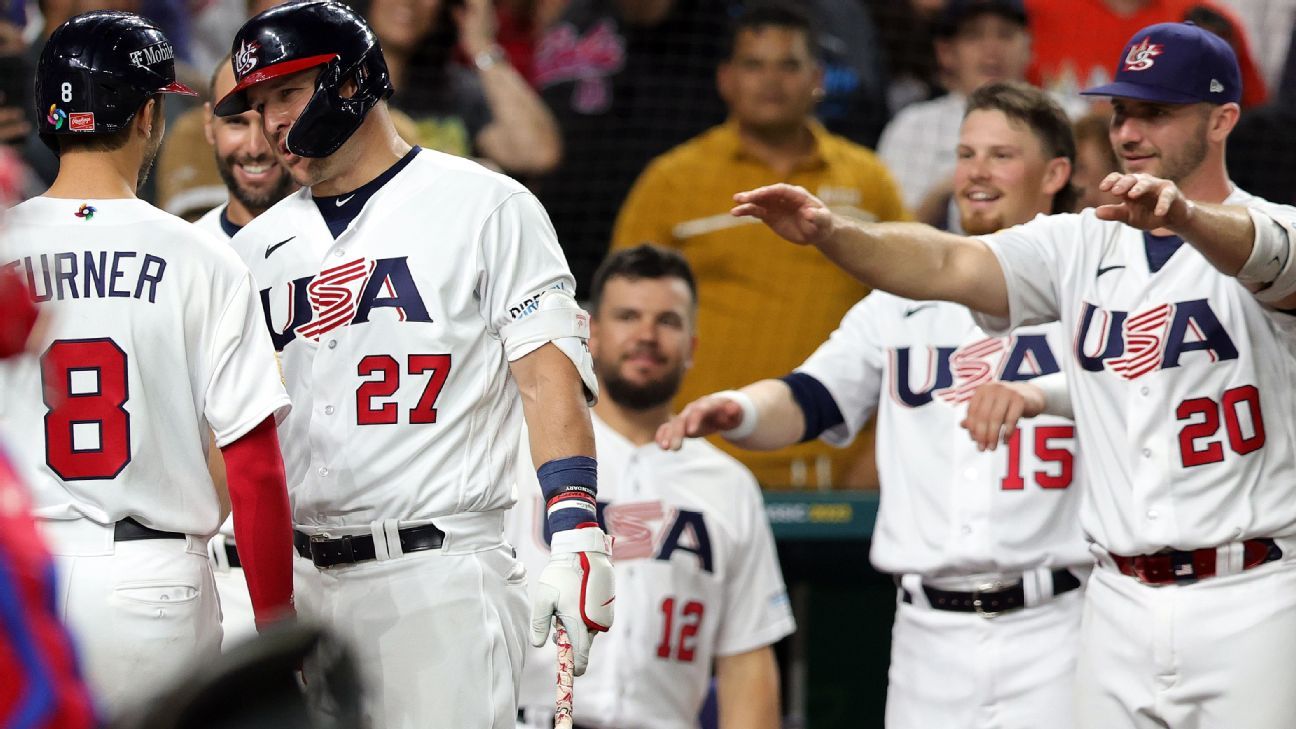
{"x": 294, "y": 37}
{"x": 97, "y": 69}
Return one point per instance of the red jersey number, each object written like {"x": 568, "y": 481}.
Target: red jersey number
{"x": 87, "y": 428}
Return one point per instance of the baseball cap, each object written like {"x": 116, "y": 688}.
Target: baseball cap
{"x": 958, "y": 11}
{"x": 1175, "y": 63}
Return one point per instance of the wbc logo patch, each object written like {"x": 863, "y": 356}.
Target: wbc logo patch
{"x": 1140, "y": 56}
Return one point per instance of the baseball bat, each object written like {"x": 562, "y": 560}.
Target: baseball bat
{"x": 566, "y": 674}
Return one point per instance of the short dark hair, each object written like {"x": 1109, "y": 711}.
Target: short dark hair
{"x": 106, "y": 142}
{"x": 211, "y": 83}
{"x": 772, "y": 14}
{"x": 643, "y": 261}
{"x": 1023, "y": 102}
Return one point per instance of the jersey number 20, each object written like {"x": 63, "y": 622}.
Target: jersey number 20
{"x": 87, "y": 428}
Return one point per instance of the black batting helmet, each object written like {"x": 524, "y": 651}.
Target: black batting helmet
{"x": 97, "y": 69}
{"x": 294, "y": 37}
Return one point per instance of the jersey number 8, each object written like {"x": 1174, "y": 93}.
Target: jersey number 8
{"x": 87, "y": 428}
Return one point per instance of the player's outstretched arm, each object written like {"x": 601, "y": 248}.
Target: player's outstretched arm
{"x": 262, "y": 521}
{"x": 762, "y": 416}
{"x": 1259, "y": 256}
{"x": 996, "y": 407}
{"x": 747, "y": 690}
{"x": 907, "y": 259}
{"x": 576, "y": 587}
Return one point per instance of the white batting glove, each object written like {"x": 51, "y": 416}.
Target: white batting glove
{"x": 577, "y": 588}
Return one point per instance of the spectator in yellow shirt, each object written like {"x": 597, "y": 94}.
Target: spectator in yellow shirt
{"x": 765, "y": 305}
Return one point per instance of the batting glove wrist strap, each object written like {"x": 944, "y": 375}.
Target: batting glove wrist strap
{"x": 570, "y": 487}
{"x": 586, "y": 539}
{"x": 750, "y": 416}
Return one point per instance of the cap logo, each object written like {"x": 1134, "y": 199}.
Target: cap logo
{"x": 156, "y": 53}
{"x": 1140, "y": 56}
{"x": 246, "y": 58}
{"x": 56, "y": 116}
{"x": 1216, "y": 87}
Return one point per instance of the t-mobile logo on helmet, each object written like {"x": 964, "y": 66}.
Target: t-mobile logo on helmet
{"x": 156, "y": 53}
{"x": 245, "y": 59}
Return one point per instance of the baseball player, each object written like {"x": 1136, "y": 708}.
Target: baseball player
{"x": 986, "y": 548}
{"x": 155, "y": 341}
{"x": 1177, "y": 301}
{"x": 693, "y": 545}
{"x": 247, "y": 166}
{"x": 413, "y": 296}
{"x": 255, "y": 181}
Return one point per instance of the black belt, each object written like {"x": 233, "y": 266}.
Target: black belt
{"x": 1000, "y": 598}
{"x": 129, "y": 530}
{"x": 231, "y": 554}
{"x": 329, "y": 552}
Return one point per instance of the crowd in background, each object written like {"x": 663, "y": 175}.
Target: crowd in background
{"x": 633, "y": 120}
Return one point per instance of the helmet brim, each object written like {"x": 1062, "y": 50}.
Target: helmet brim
{"x": 175, "y": 87}
{"x": 235, "y": 102}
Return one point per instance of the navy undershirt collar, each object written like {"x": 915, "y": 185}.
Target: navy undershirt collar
{"x": 339, "y": 210}
{"x": 1159, "y": 249}
{"x": 228, "y": 225}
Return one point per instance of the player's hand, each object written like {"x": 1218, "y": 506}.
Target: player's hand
{"x": 702, "y": 417}
{"x": 788, "y": 210}
{"x": 996, "y": 407}
{"x": 1146, "y": 202}
{"x": 577, "y": 588}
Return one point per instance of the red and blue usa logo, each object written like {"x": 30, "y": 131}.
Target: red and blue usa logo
{"x": 1133, "y": 344}
{"x": 1140, "y": 56}
{"x": 245, "y": 58}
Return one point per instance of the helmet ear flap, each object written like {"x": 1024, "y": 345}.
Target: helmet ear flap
{"x": 329, "y": 119}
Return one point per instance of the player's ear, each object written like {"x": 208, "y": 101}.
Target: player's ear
{"x": 146, "y": 117}
{"x": 1057, "y": 173}
{"x": 1222, "y": 120}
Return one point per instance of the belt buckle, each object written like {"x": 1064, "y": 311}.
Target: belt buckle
{"x": 994, "y": 586}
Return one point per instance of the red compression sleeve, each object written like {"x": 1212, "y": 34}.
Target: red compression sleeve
{"x": 19, "y": 313}
{"x": 262, "y": 523}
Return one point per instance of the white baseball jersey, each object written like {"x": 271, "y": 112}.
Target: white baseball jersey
{"x": 1180, "y": 379}
{"x": 156, "y": 337}
{"x": 696, "y": 574}
{"x": 948, "y": 510}
{"x": 390, "y": 338}
{"x": 211, "y": 222}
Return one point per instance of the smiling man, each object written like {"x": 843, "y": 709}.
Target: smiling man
{"x": 422, "y": 309}
{"x": 247, "y": 165}
{"x": 1179, "y": 302}
{"x": 967, "y": 534}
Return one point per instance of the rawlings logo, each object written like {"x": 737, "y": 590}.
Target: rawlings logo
{"x": 156, "y": 53}
{"x": 81, "y": 121}
{"x": 1140, "y": 56}
{"x": 246, "y": 58}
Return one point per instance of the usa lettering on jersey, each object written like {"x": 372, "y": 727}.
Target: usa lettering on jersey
{"x": 952, "y": 374}
{"x": 343, "y": 295}
{"x": 653, "y": 530}
{"x": 1132, "y": 344}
